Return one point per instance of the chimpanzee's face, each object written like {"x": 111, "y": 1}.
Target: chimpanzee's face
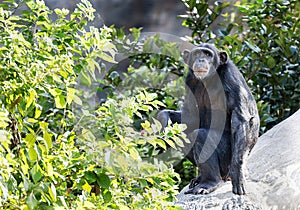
{"x": 201, "y": 61}
{"x": 204, "y": 60}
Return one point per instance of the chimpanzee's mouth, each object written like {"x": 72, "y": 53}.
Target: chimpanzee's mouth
{"x": 200, "y": 71}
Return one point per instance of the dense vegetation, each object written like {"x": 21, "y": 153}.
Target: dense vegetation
{"x": 57, "y": 150}
{"x": 63, "y": 149}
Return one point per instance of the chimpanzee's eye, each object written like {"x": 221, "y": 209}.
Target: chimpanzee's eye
{"x": 207, "y": 53}
{"x": 196, "y": 54}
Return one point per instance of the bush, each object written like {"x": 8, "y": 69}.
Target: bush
{"x": 56, "y": 152}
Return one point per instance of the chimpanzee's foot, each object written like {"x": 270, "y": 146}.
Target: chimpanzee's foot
{"x": 203, "y": 188}
{"x": 194, "y": 182}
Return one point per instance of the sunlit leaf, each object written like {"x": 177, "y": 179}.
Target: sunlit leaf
{"x": 48, "y": 140}
{"x": 38, "y": 111}
{"x": 87, "y": 187}
{"x": 49, "y": 169}
{"x": 134, "y": 153}
{"x": 52, "y": 192}
{"x": 77, "y": 100}
{"x": 31, "y": 98}
{"x": 55, "y": 92}
{"x": 171, "y": 143}
{"x": 60, "y": 102}
{"x": 30, "y": 139}
{"x": 89, "y": 205}
{"x": 161, "y": 143}
{"x": 70, "y": 95}
{"x": 32, "y": 154}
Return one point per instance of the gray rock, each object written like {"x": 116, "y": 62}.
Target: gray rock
{"x": 273, "y": 180}
{"x": 274, "y": 166}
{"x": 222, "y": 198}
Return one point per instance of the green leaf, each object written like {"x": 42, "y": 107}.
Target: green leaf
{"x": 143, "y": 183}
{"x": 62, "y": 12}
{"x": 85, "y": 79}
{"x": 253, "y": 47}
{"x": 161, "y": 143}
{"x": 134, "y": 153}
{"x": 52, "y": 192}
{"x": 243, "y": 8}
{"x": 31, "y": 201}
{"x": 89, "y": 205}
{"x": 55, "y": 92}
{"x": 106, "y": 196}
{"x": 32, "y": 95}
{"x": 171, "y": 143}
{"x": 157, "y": 125}
{"x": 90, "y": 176}
{"x": 88, "y": 135}
{"x": 271, "y": 62}
{"x": 107, "y": 57}
{"x": 38, "y": 111}
{"x": 63, "y": 201}
{"x": 26, "y": 183}
{"x": 49, "y": 168}
{"x": 178, "y": 141}
{"x": 5, "y": 6}
{"x": 4, "y": 120}
{"x": 32, "y": 154}
{"x": 103, "y": 180}
{"x": 60, "y": 102}
{"x": 70, "y": 95}
{"x": 43, "y": 126}
{"x": 30, "y": 139}
{"x": 87, "y": 187}
{"x": 148, "y": 45}
{"x": 32, "y": 120}
{"x": 135, "y": 32}
{"x": 113, "y": 75}
{"x": 77, "y": 100}
{"x": 146, "y": 124}
{"x": 36, "y": 173}
{"x": 192, "y": 3}
{"x": 48, "y": 140}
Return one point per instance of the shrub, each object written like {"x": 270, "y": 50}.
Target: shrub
{"x": 56, "y": 152}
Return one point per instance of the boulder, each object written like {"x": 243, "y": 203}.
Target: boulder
{"x": 273, "y": 180}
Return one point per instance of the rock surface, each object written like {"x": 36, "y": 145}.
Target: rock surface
{"x": 273, "y": 180}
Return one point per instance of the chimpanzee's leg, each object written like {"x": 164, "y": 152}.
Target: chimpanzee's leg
{"x": 210, "y": 151}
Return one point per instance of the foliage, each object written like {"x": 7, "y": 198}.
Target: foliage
{"x": 200, "y": 16}
{"x": 136, "y": 178}
{"x": 155, "y": 65}
{"x": 56, "y": 152}
{"x": 263, "y": 41}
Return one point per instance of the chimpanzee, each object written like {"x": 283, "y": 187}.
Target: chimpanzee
{"x": 221, "y": 117}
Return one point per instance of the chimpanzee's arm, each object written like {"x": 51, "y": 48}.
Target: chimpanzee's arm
{"x": 239, "y": 143}
{"x": 166, "y": 115}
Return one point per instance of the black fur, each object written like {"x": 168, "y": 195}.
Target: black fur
{"x": 222, "y": 122}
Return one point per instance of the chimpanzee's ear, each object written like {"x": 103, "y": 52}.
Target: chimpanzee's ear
{"x": 185, "y": 55}
{"x": 223, "y": 57}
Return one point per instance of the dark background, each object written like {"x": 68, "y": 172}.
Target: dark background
{"x": 151, "y": 15}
